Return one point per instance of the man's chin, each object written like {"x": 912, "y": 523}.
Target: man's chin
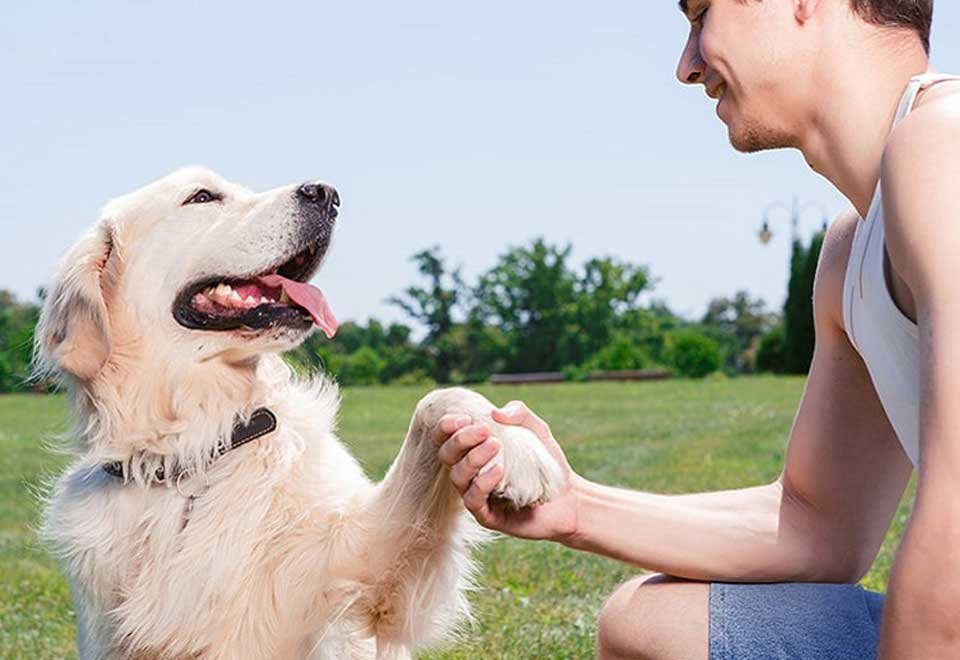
{"x": 749, "y": 138}
{"x": 746, "y": 144}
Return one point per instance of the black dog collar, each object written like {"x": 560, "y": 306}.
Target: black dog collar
{"x": 262, "y": 422}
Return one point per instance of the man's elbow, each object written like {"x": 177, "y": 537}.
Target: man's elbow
{"x": 831, "y": 571}
{"x": 843, "y": 562}
{"x": 847, "y": 572}
{"x": 823, "y": 548}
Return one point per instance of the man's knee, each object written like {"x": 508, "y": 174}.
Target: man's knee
{"x": 654, "y": 617}
{"x": 626, "y": 626}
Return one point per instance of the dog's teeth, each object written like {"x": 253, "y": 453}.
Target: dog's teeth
{"x": 313, "y": 248}
{"x": 284, "y": 298}
{"x": 264, "y": 299}
{"x": 223, "y": 289}
{"x": 251, "y": 300}
{"x": 235, "y": 297}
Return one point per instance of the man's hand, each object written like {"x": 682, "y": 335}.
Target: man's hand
{"x": 470, "y": 447}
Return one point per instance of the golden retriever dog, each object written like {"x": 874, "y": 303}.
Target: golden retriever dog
{"x": 210, "y": 511}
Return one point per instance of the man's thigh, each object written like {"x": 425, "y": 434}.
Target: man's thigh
{"x": 793, "y": 621}
{"x": 657, "y": 617}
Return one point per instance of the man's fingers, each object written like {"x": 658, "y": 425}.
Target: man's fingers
{"x": 450, "y": 424}
{"x": 476, "y": 499}
{"x": 464, "y": 472}
{"x": 517, "y": 413}
{"x": 461, "y": 442}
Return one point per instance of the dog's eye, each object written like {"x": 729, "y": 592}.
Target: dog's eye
{"x": 202, "y": 196}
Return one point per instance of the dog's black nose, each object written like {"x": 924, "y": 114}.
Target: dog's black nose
{"x": 318, "y": 193}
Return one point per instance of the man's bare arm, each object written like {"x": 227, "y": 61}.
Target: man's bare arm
{"x": 920, "y": 169}
{"x": 823, "y": 520}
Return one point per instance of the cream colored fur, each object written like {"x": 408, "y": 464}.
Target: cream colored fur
{"x": 288, "y": 550}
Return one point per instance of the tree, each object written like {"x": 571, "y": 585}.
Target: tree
{"x": 649, "y": 327}
{"x": 400, "y": 355}
{"x": 737, "y": 323}
{"x": 770, "y": 354}
{"x": 552, "y": 316}
{"x": 482, "y": 348}
{"x": 433, "y": 307}
{"x": 799, "y": 335}
{"x": 607, "y": 290}
{"x": 17, "y": 323}
{"x": 531, "y": 296}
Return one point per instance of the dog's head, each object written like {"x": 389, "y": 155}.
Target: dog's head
{"x": 189, "y": 267}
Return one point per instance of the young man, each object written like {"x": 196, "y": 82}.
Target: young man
{"x": 769, "y": 572}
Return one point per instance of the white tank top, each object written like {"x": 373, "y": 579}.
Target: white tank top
{"x": 885, "y": 338}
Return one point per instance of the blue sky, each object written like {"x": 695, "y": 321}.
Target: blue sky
{"x": 475, "y": 126}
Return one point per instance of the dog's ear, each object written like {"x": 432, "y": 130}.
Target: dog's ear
{"x": 73, "y": 334}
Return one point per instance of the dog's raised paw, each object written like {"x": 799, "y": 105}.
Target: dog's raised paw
{"x": 530, "y": 473}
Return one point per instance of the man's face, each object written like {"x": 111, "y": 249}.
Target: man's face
{"x": 749, "y": 55}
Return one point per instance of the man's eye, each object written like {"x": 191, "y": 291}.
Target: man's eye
{"x": 202, "y": 196}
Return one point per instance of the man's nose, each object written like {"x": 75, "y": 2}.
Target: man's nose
{"x": 690, "y": 70}
{"x": 319, "y": 194}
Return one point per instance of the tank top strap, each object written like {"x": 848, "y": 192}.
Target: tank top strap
{"x": 916, "y": 85}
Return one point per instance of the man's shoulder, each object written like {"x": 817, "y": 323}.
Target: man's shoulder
{"x": 919, "y": 174}
{"x": 832, "y": 269}
{"x": 920, "y": 137}
{"x": 935, "y": 94}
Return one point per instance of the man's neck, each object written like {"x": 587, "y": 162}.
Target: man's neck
{"x": 858, "y": 99}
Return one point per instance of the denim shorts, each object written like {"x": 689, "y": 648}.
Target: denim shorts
{"x": 794, "y": 622}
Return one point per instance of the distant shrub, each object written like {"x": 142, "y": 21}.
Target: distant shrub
{"x": 621, "y": 353}
{"x": 576, "y": 372}
{"x": 362, "y": 367}
{"x": 416, "y": 377}
{"x": 693, "y": 354}
{"x": 771, "y": 355}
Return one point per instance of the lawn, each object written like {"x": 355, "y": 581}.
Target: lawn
{"x": 537, "y": 600}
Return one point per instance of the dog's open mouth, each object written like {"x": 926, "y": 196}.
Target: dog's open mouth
{"x": 278, "y": 296}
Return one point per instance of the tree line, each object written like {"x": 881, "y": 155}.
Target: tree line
{"x": 534, "y": 310}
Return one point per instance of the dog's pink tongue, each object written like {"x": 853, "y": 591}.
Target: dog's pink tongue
{"x": 307, "y": 296}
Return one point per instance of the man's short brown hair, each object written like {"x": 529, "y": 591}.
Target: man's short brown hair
{"x": 914, "y": 14}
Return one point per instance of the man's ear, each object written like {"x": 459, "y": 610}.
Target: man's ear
{"x": 73, "y": 334}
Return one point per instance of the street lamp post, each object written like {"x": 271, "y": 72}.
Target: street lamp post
{"x": 796, "y": 209}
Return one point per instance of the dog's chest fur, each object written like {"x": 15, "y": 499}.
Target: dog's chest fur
{"x": 152, "y": 570}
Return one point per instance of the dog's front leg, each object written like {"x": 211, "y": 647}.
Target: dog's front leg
{"x": 419, "y": 542}
{"x": 420, "y": 535}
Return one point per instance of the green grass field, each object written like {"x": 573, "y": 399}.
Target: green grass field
{"x": 537, "y": 600}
